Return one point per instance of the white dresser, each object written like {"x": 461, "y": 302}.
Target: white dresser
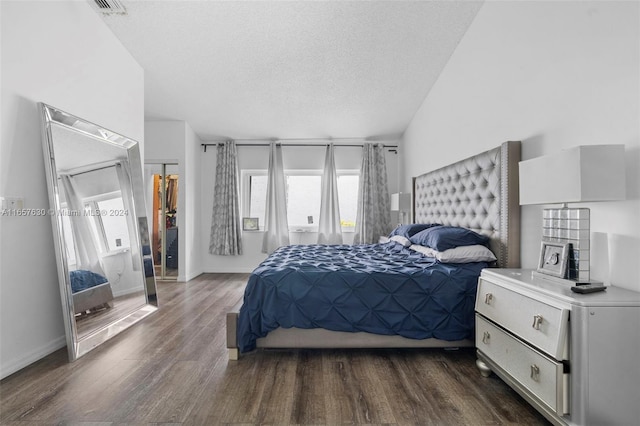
{"x": 575, "y": 357}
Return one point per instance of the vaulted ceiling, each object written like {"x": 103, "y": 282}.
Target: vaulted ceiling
{"x": 297, "y": 69}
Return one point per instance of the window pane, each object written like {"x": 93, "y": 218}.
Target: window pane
{"x": 91, "y": 211}
{"x": 68, "y": 239}
{"x": 258, "y": 197}
{"x": 303, "y": 200}
{"x": 114, "y": 222}
{"x": 348, "y": 194}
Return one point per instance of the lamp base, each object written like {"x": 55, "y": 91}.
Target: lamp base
{"x": 566, "y": 281}
{"x": 570, "y": 225}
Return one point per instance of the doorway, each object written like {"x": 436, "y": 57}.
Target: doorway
{"x": 163, "y": 180}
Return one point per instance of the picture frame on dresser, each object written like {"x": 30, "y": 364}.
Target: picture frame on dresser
{"x": 554, "y": 258}
{"x": 250, "y": 224}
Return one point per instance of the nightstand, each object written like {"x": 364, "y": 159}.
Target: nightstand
{"x": 574, "y": 357}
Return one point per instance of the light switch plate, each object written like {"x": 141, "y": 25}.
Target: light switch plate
{"x": 12, "y": 203}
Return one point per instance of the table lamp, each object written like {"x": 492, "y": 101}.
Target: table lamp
{"x": 584, "y": 173}
{"x": 401, "y": 202}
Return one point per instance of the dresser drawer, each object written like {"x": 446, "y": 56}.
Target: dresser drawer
{"x": 541, "y": 324}
{"x": 542, "y": 376}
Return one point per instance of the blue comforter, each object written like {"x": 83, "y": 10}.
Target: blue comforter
{"x": 378, "y": 288}
{"x": 82, "y": 279}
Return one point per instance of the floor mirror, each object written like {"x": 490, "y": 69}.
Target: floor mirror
{"x": 100, "y": 229}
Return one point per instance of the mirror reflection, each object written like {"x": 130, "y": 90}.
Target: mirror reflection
{"x": 162, "y": 189}
{"x": 104, "y": 257}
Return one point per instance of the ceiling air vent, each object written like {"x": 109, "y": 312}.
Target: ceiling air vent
{"x": 109, "y": 7}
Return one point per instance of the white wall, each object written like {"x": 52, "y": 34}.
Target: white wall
{"x": 62, "y": 54}
{"x": 192, "y": 250}
{"x": 257, "y": 158}
{"x": 176, "y": 142}
{"x": 553, "y": 75}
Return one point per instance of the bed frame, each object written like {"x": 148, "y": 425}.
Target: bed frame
{"x": 479, "y": 193}
{"x": 93, "y": 297}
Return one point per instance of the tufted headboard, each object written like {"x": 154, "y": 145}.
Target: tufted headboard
{"x": 479, "y": 193}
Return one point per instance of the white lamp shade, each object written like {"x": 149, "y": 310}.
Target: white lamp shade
{"x": 400, "y": 201}
{"x": 581, "y": 174}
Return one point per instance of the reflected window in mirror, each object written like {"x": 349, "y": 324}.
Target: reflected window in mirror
{"x": 110, "y": 221}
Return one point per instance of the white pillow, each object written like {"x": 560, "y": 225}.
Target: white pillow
{"x": 461, "y": 254}
{"x": 427, "y": 251}
{"x": 400, "y": 239}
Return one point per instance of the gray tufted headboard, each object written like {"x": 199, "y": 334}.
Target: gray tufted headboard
{"x": 479, "y": 193}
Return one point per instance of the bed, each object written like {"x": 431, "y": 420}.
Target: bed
{"x": 426, "y": 302}
{"x": 90, "y": 290}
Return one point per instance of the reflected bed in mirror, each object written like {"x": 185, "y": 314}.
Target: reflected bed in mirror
{"x": 101, "y": 237}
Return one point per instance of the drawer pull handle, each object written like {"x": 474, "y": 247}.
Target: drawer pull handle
{"x": 537, "y": 321}
{"x": 488, "y": 298}
{"x": 535, "y": 372}
{"x": 485, "y": 337}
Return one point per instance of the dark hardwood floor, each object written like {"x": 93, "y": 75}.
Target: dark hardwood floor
{"x": 122, "y": 305}
{"x": 172, "y": 368}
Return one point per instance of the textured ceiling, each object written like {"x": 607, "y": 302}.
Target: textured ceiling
{"x": 300, "y": 69}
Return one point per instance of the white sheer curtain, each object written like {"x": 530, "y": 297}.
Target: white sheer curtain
{"x": 126, "y": 192}
{"x": 329, "y": 228}
{"x": 226, "y": 237}
{"x": 373, "y": 217}
{"x": 276, "y": 224}
{"x": 87, "y": 254}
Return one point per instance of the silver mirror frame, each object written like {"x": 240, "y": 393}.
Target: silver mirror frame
{"x": 52, "y": 116}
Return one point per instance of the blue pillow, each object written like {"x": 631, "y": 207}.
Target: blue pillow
{"x": 411, "y": 229}
{"x": 443, "y": 238}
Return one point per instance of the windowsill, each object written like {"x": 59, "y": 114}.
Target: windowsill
{"x": 115, "y": 252}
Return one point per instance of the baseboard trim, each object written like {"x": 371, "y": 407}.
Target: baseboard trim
{"x": 126, "y": 292}
{"x": 23, "y": 361}
{"x": 231, "y": 271}
{"x": 189, "y": 277}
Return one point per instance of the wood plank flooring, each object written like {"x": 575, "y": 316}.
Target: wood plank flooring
{"x": 122, "y": 305}
{"x": 172, "y": 368}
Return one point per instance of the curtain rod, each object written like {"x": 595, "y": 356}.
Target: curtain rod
{"x": 81, "y": 170}
{"x": 266, "y": 142}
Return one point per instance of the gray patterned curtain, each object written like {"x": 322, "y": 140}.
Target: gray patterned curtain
{"x": 373, "y": 217}
{"x": 226, "y": 238}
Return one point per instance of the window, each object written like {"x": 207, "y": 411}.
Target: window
{"x": 303, "y": 197}
{"x": 108, "y": 220}
{"x": 348, "y": 195}
{"x": 257, "y": 190}
{"x": 113, "y": 221}
{"x": 303, "y": 201}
